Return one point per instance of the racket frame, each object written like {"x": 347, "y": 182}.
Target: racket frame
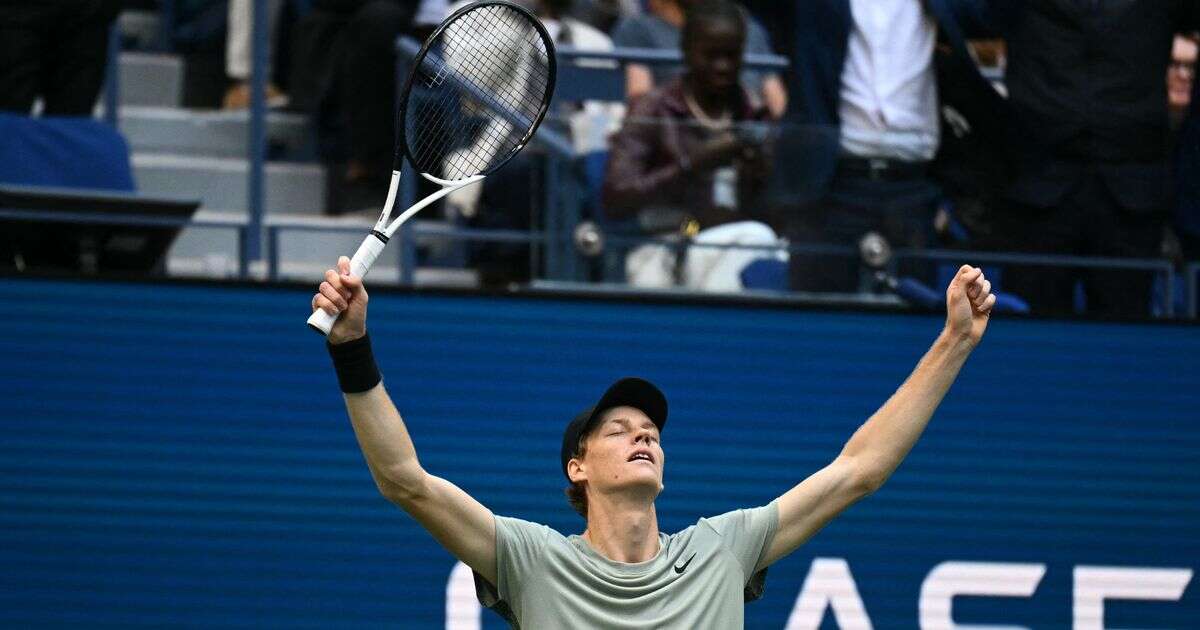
{"x": 364, "y": 258}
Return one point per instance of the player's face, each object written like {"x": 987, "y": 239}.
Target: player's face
{"x": 624, "y": 451}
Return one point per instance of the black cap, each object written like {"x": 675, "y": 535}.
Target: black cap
{"x": 627, "y": 392}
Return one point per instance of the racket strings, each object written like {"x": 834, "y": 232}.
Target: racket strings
{"x": 482, "y": 88}
{"x": 506, "y": 51}
{"x": 477, "y": 53}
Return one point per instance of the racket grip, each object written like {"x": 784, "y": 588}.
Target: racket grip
{"x": 364, "y": 258}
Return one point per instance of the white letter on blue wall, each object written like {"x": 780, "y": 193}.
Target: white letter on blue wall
{"x": 462, "y": 609}
{"x": 1093, "y": 585}
{"x": 829, "y": 585}
{"x": 987, "y": 579}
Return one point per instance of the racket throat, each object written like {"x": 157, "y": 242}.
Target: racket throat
{"x": 383, "y": 238}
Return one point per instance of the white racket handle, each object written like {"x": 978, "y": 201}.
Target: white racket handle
{"x": 321, "y": 321}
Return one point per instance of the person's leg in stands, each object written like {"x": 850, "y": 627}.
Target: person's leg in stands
{"x": 78, "y": 58}
{"x": 847, "y": 211}
{"x": 1189, "y": 244}
{"x": 23, "y": 37}
{"x": 1030, "y": 229}
{"x": 825, "y": 222}
{"x": 899, "y": 210}
{"x": 239, "y": 52}
{"x": 368, "y": 69}
{"x": 906, "y": 222}
{"x": 1115, "y": 232}
{"x": 508, "y": 201}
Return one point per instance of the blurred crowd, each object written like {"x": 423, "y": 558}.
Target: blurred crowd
{"x": 1053, "y": 127}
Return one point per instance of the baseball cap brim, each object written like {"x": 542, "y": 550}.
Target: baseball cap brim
{"x": 627, "y": 392}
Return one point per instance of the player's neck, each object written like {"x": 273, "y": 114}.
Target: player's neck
{"x": 622, "y": 532}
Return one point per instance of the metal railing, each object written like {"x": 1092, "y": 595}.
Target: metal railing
{"x": 408, "y": 236}
{"x": 1166, "y": 268}
{"x": 252, "y": 244}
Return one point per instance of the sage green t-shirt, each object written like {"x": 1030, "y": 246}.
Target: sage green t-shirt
{"x": 701, "y": 577}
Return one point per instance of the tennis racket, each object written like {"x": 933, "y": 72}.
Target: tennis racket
{"x": 478, "y": 89}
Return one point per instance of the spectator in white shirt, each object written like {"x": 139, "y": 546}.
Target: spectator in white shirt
{"x": 867, "y": 96}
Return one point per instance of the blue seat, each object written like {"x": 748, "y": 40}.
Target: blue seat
{"x": 63, "y": 153}
{"x": 766, "y": 274}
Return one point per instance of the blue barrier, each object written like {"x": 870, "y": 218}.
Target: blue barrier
{"x": 178, "y": 454}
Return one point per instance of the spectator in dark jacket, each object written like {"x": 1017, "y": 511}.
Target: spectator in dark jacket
{"x": 689, "y": 161}
{"x": 1091, "y": 138}
{"x": 54, "y": 50}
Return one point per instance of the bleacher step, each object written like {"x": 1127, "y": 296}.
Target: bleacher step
{"x": 222, "y": 182}
{"x": 150, "y": 79}
{"x": 207, "y": 133}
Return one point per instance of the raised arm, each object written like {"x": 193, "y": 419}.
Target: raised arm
{"x": 461, "y": 524}
{"x": 879, "y": 445}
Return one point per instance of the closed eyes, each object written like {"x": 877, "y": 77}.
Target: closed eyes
{"x": 622, "y": 426}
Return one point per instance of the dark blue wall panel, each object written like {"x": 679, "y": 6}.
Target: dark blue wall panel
{"x": 179, "y": 454}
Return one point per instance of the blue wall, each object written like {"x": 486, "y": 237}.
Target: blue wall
{"x": 179, "y": 454}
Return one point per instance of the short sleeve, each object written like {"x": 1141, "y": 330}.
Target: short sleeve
{"x": 746, "y": 534}
{"x": 519, "y": 545}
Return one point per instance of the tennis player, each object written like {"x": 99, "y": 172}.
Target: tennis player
{"x": 622, "y": 572}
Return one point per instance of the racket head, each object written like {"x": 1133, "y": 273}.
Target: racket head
{"x": 477, "y": 91}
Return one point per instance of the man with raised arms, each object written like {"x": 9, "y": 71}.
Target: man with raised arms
{"x": 622, "y": 572}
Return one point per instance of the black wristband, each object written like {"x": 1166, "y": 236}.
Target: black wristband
{"x": 355, "y": 365}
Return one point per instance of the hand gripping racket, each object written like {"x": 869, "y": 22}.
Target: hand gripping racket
{"x": 478, "y": 90}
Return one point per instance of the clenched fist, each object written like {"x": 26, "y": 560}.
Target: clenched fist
{"x": 969, "y": 303}
{"x": 344, "y": 294}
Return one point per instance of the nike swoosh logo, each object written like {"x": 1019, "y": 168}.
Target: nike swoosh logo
{"x": 684, "y": 566}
